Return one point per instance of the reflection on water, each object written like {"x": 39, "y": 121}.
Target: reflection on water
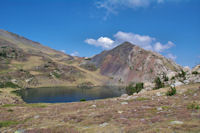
{"x": 69, "y": 94}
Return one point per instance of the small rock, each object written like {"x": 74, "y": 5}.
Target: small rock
{"x": 142, "y": 119}
{"x": 135, "y": 97}
{"x": 171, "y": 74}
{"x": 124, "y": 95}
{"x": 158, "y": 94}
{"x": 142, "y": 91}
{"x": 36, "y": 117}
{"x": 103, "y": 124}
{"x": 195, "y": 94}
{"x": 19, "y": 131}
{"x": 177, "y": 84}
{"x": 134, "y": 94}
{"x": 120, "y": 112}
{"x": 124, "y": 103}
{"x": 94, "y": 106}
{"x": 159, "y": 108}
{"x": 148, "y": 88}
{"x": 176, "y": 122}
{"x": 14, "y": 81}
{"x": 197, "y": 80}
{"x": 186, "y": 81}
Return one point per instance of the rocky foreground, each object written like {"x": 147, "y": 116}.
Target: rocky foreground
{"x": 147, "y": 112}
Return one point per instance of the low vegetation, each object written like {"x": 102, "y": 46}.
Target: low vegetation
{"x": 171, "y": 92}
{"x": 193, "y": 106}
{"x": 131, "y": 89}
{"x": 165, "y": 77}
{"x": 182, "y": 74}
{"x": 158, "y": 84}
{"x": 8, "y": 84}
{"x": 142, "y": 99}
{"x": 195, "y": 72}
{"x": 89, "y": 66}
{"x": 82, "y": 100}
{"x": 7, "y": 123}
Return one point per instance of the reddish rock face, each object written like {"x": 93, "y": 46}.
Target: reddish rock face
{"x": 130, "y": 63}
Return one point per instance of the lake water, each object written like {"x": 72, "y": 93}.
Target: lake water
{"x": 69, "y": 94}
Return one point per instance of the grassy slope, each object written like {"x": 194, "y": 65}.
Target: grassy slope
{"x": 141, "y": 114}
{"x": 95, "y": 77}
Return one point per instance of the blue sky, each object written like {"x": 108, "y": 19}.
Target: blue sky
{"x": 86, "y": 27}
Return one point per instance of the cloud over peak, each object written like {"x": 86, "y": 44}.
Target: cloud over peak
{"x": 144, "y": 41}
{"x": 103, "y": 42}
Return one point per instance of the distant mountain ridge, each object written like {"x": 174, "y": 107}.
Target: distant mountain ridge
{"x": 30, "y": 63}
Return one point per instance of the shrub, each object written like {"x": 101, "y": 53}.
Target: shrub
{"x": 82, "y": 100}
{"x": 195, "y": 72}
{"x": 173, "y": 78}
{"x": 171, "y": 92}
{"x": 182, "y": 74}
{"x": 193, "y": 106}
{"x": 134, "y": 89}
{"x": 8, "y": 84}
{"x": 165, "y": 77}
{"x": 56, "y": 75}
{"x": 10, "y": 110}
{"x": 3, "y": 54}
{"x": 158, "y": 83}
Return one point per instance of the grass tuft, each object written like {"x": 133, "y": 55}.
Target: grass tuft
{"x": 142, "y": 99}
{"x": 8, "y": 123}
{"x": 9, "y": 105}
{"x": 193, "y": 106}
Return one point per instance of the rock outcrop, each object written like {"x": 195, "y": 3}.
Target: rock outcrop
{"x": 129, "y": 63}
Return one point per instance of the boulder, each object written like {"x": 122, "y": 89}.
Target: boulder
{"x": 148, "y": 86}
{"x": 187, "y": 69}
{"x": 124, "y": 95}
{"x": 142, "y": 91}
{"x": 171, "y": 74}
{"x": 196, "y": 69}
{"x": 186, "y": 81}
{"x": 197, "y": 80}
{"x": 103, "y": 124}
{"x": 177, "y": 83}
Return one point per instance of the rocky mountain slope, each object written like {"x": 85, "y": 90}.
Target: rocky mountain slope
{"x": 130, "y": 63}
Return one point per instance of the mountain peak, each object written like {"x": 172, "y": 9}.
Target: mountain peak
{"x": 125, "y": 45}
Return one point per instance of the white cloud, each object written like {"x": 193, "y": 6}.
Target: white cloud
{"x": 171, "y": 56}
{"x": 64, "y": 51}
{"x": 104, "y": 42}
{"x": 113, "y": 6}
{"x": 158, "y": 47}
{"x": 75, "y": 53}
{"x": 144, "y": 41}
{"x": 141, "y": 40}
